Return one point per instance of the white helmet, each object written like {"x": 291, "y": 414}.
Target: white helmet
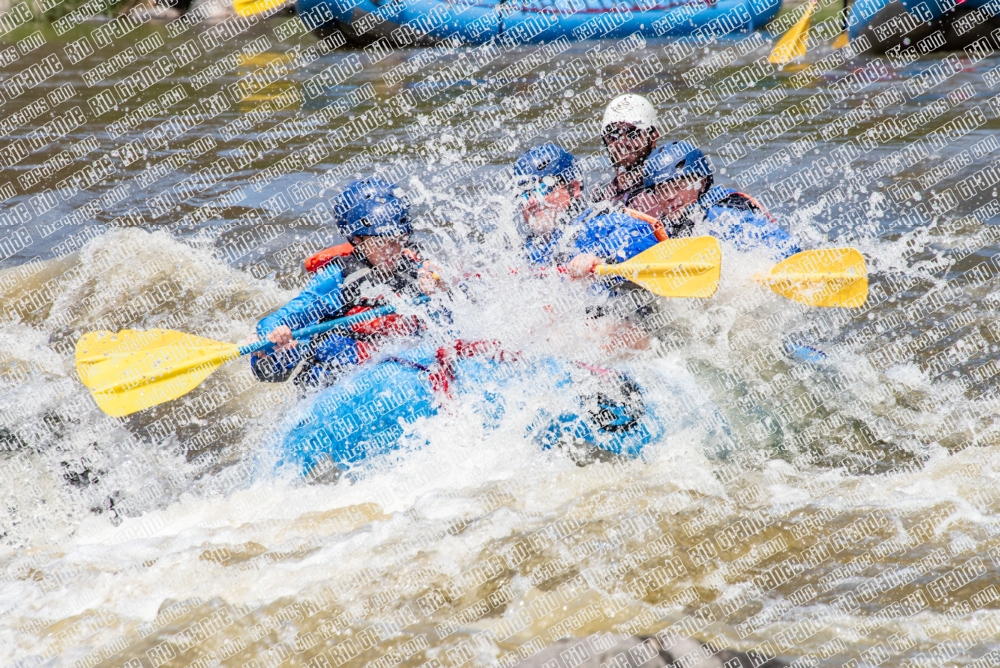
{"x": 632, "y": 109}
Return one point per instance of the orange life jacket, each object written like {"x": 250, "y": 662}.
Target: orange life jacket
{"x": 319, "y": 260}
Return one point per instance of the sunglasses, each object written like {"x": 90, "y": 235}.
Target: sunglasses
{"x": 540, "y": 189}
{"x": 617, "y": 134}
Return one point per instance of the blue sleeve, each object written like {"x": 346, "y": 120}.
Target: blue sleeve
{"x": 320, "y": 299}
{"x": 329, "y": 353}
{"x": 748, "y": 230}
{"x": 615, "y": 236}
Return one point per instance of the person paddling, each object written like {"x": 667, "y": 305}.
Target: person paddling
{"x": 378, "y": 256}
{"x": 629, "y": 131}
{"x": 559, "y": 230}
{"x": 560, "y": 233}
{"x": 678, "y": 192}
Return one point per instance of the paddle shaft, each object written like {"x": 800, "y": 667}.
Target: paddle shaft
{"x": 313, "y": 330}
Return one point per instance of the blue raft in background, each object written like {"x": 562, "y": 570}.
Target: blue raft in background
{"x": 407, "y": 22}
{"x": 368, "y": 413}
{"x": 907, "y": 29}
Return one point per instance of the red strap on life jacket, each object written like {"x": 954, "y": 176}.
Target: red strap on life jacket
{"x": 758, "y": 205}
{"x": 387, "y": 326}
{"x": 319, "y": 260}
{"x": 443, "y": 374}
{"x": 658, "y": 230}
{"x": 365, "y": 350}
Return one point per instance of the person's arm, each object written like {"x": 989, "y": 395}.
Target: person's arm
{"x": 773, "y": 236}
{"x": 320, "y": 298}
{"x": 614, "y": 237}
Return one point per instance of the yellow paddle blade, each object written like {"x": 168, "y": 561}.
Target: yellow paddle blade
{"x": 841, "y": 41}
{"x": 673, "y": 268}
{"x": 792, "y": 44}
{"x": 827, "y": 277}
{"x": 132, "y": 370}
{"x": 251, "y": 7}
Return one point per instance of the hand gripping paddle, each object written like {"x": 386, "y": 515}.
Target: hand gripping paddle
{"x": 673, "y": 268}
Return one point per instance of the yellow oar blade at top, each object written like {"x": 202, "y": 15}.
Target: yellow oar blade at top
{"x": 841, "y": 41}
{"x": 131, "y": 370}
{"x": 833, "y": 277}
{"x": 792, "y": 44}
{"x": 673, "y": 268}
{"x": 251, "y": 7}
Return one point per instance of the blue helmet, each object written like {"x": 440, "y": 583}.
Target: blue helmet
{"x": 545, "y": 160}
{"x": 676, "y": 161}
{"x": 370, "y": 207}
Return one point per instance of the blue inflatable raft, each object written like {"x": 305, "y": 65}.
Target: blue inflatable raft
{"x": 370, "y": 413}
{"x": 407, "y": 22}
{"x": 908, "y": 29}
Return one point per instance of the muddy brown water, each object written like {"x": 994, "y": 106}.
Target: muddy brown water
{"x": 841, "y": 512}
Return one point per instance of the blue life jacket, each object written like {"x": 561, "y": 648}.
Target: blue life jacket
{"x": 613, "y": 237}
{"x": 332, "y": 293}
{"x": 366, "y": 414}
{"x": 737, "y": 218}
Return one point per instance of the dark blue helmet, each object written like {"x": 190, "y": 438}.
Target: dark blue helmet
{"x": 675, "y": 161}
{"x": 545, "y": 160}
{"x": 370, "y": 207}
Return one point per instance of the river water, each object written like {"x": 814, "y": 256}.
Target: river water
{"x": 841, "y": 512}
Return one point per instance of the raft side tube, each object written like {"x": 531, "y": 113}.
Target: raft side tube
{"x": 419, "y": 22}
{"x": 368, "y": 414}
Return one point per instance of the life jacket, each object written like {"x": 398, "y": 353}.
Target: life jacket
{"x": 717, "y": 196}
{"x": 655, "y": 223}
{"x": 367, "y": 332}
{"x": 733, "y": 199}
{"x": 319, "y": 260}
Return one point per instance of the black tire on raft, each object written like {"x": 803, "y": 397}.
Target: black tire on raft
{"x": 956, "y": 42}
{"x": 950, "y": 39}
{"x": 353, "y": 39}
{"x": 180, "y": 6}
